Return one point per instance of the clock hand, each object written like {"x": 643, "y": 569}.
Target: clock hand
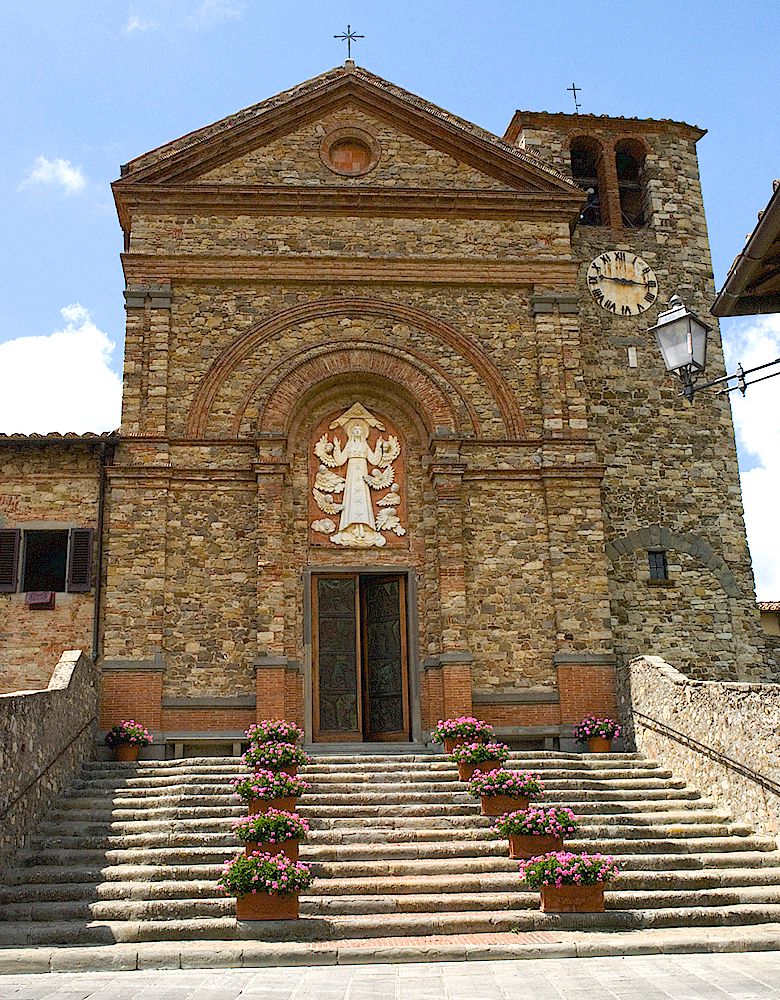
{"x": 622, "y": 281}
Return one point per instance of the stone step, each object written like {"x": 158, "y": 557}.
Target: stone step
{"x": 373, "y": 761}
{"x": 221, "y": 784}
{"x": 58, "y": 828}
{"x": 666, "y": 865}
{"x": 589, "y": 833}
{"x": 76, "y": 812}
{"x": 363, "y": 926}
{"x": 313, "y": 904}
{"x": 201, "y": 887}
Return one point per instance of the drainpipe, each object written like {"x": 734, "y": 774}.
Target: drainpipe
{"x": 104, "y": 461}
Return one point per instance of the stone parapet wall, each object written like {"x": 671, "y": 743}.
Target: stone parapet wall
{"x": 45, "y": 737}
{"x": 739, "y": 720}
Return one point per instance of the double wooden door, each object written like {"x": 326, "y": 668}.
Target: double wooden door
{"x": 359, "y": 654}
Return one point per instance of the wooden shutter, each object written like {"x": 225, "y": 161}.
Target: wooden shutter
{"x": 9, "y": 559}
{"x": 80, "y": 562}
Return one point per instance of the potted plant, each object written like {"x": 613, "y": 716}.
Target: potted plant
{"x": 597, "y": 733}
{"x": 127, "y": 739}
{"x": 466, "y": 729}
{"x": 285, "y": 757}
{"x": 536, "y": 831}
{"x": 504, "y": 790}
{"x": 274, "y": 731}
{"x": 266, "y": 886}
{"x": 569, "y": 883}
{"x": 271, "y": 832}
{"x": 471, "y": 757}
{"x": 266, "y": 790}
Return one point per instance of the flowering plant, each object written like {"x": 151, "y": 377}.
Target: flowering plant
{"x": 274, "y": 731}
{"x": 258, "y": 872}
{"x": 552, "y": 821}
{"x": 272, "y": 827}
{"x": 268, "y": 755}
{"x": 608, "y": 729}
{"x": 502, "y": 782}
{"x": 457, "y": 729}
{"x": 129, "y": 731}
{"x": 476, "y": 753}
{"x": 564, "y": 868}
{"x": 268, "y": 785}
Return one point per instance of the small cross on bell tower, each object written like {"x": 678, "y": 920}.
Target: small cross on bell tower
{"x": 575, "y": 90}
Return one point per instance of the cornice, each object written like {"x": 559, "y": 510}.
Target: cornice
{"x": 235, "y": 268}
{"x": 562, "y": 121}
{"x": 328, "y": 200}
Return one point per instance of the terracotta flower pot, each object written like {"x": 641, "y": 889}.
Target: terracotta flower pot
{"x": 532, "y": 845}
{"x": 497, "y": 805}
{"x": 288, "y": 847}
{"x": 263, "y": 805}
{"x": 457, "y": 741}
{"x": 265, "y": 906}
{"x": 573, "y": 898}
{"x": 597, "y": 744}
{"x": 127, "y": 751}
{"x": 466, "y": 771}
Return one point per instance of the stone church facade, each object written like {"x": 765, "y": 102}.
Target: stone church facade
{"x": 396, "y": 443}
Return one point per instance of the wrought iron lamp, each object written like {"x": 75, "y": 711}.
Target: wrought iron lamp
{"x": 682, "y": 339}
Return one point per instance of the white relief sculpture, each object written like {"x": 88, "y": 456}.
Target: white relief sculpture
{"x": 358, "y": 526}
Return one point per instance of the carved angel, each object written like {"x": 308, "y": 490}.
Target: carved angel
{"x": 390, "y": 450}
{"x": 380, "y": 480}
{"x": 388, "y": 520}
{"x": 328, "y": 482}
{"x": 326, "y": 502}
{"x": 323, "y": 449}
{"x": 391, "y": 499}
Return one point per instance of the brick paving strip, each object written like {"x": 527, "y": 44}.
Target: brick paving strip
{"x": 748, "y": 976}
{"x": 249, "y": 954}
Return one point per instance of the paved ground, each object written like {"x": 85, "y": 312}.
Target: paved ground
{"x": 744, "y": 976}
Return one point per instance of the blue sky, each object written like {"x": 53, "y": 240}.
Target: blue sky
{"x": 88, "y": 84}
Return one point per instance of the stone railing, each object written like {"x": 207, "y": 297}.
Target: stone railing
{"x": 45, "y": 737}
{"x": 721, "y": 737}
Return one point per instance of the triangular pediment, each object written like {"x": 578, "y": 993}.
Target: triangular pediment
{"x": 249, "y": 146}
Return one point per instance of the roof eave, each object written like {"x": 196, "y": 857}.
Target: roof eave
{"x": 731, "y": 299}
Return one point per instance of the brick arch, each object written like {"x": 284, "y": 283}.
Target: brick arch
{"x": 659, "y": 537}
{"x": 318, "y": 362}
{"x": 352, "y": 307}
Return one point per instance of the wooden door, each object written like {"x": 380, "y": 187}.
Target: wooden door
{"x": 384, "y": 659}
{"x": 337, "y": 695}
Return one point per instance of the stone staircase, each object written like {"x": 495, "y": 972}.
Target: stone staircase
{"x": 133, "y": 851}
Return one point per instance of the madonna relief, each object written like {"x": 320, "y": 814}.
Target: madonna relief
{"x": 356, "y": 480}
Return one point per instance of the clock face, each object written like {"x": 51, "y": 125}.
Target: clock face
{"x": 622, "y": 282}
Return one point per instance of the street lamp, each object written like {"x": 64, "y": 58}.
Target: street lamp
{"x": 682, "y": 339}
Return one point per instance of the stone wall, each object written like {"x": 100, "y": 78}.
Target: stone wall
{"x": 45, "y": 737}
{"x": 671, "y": 479}
{"x": 739, "y": 720}
{"x": 51, "y": 483}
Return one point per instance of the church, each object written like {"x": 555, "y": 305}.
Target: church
{"x": 397, "y": 444}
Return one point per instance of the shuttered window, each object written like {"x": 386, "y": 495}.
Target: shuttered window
{"x": 80, "y": 564}
{"x": 9, "y": 559}
{"x": 46, "y": 560}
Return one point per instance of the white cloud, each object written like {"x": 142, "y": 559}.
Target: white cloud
{"x": 60, "y": 382}
{"x": 55, "y": 173}
{"x": 210, "y": 12}
{"x": 757, "y": 422}
{"x": 137, "y": 24}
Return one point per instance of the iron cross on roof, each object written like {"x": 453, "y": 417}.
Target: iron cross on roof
{"x": 349, "y": 37}
{"x": 575, "y": 90}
